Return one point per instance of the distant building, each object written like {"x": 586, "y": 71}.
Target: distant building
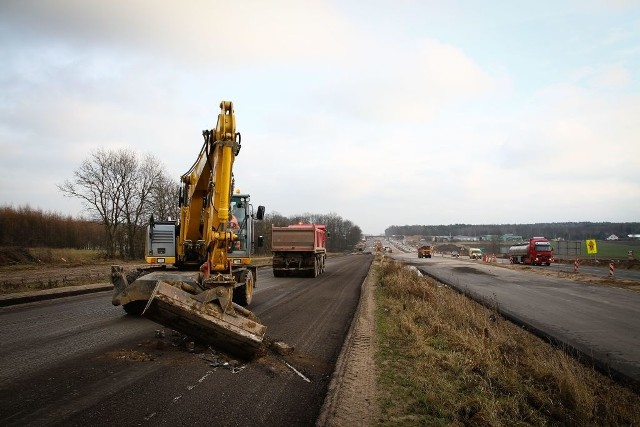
{"x": 504, "y": 238}
{"x": 465, "y": 238}
{"x": 612, "y": 237}
{"x": 511, "y": 238}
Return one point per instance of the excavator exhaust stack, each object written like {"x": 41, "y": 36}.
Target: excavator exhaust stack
{"x": 210, "y": 317}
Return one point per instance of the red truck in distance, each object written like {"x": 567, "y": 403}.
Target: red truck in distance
{"x": 537, "y": 252}
{"x": 299, "y": 248}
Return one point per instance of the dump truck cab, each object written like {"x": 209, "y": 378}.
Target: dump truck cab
{"x": 425, "y": 251}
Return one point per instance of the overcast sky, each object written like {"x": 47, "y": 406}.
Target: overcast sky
{"x": 384, "y": 112}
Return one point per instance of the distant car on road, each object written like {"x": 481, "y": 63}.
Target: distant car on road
{"x": 455, "y": 254}
{"x": 475, "y": 253}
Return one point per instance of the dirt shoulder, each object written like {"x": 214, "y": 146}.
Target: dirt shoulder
{"x": 33, "y": 277}
{"x": 352, "y": 395}
{"x": 602, "y": 280}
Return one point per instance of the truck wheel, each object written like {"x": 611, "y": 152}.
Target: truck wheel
{"x": 314, "y": 273}
{"x": 243, "y": 294}
{"x": 135, "y": 308}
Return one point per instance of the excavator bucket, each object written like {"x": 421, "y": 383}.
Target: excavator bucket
{"x": 133, "y": 290}
{"x": 210, "y": 317}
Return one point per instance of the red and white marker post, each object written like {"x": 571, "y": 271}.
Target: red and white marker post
{"x": 612, "y": 270}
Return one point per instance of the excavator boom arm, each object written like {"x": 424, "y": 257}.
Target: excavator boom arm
{"x": 207, "y": 189}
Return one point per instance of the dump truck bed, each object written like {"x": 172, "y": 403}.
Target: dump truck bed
{"x": 298, "y": 248}
{"x": 298, "y": 238}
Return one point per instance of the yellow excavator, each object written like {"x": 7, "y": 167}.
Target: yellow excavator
{"x": 201, "y": 276}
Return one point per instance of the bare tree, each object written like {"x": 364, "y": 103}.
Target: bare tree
{"x": 138, "y": 181}
{"x": 114, "y": 187}
{"x": 164, "y": 198}
{"x": 95, "y": 184}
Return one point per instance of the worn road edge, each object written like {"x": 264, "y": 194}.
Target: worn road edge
{"x": 346, "y": 405}
{"x": 67, "y": 291}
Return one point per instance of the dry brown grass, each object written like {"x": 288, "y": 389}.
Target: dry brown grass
{"x": 32, "y": 269}
{"x": 446, "y": 360}
{"x": 18, "y": 258}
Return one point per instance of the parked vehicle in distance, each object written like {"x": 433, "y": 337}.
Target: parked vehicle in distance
{"x": 537, "y": 252}
{"x": 455, "y": 254}
{"x": 475, "y": 253}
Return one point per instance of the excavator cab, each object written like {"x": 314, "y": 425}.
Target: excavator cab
{"x": 242, "y": 224}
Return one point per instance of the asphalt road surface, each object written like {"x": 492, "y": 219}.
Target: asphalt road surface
{"x": 600, "y": 322}
{"x": 80, "y": 361}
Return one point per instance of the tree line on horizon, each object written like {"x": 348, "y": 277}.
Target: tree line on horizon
{"x": 551, "y": 230}
{"x": 24, "y": 226}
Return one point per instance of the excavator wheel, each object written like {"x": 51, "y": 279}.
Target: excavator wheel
{"x": 243, "y": 294}
{"x": 135, "y": 308}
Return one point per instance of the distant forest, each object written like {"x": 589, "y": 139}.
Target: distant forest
{"x": 28, "y": 227}
{"x": 550, "y": 230}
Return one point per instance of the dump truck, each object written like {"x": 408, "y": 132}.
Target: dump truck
{"x": 537, "y": 251}
{"x": 299, "y": 249}
{"x": 201, "y": 277}
{"x": 425, "y": 251}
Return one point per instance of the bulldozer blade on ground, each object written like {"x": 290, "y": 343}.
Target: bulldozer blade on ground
{"x": 232, "y": 332}
{"x": 133, "y": 296}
